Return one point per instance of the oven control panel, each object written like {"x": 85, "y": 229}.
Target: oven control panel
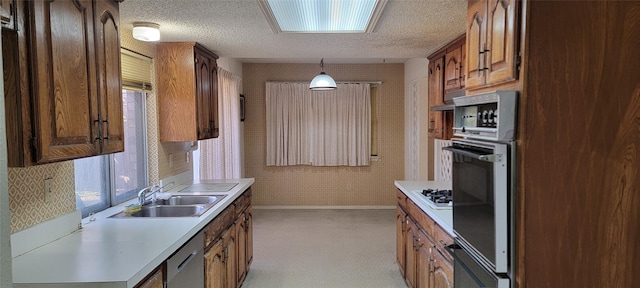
{"x": 488, "y": 116}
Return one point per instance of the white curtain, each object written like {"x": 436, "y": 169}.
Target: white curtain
{"x": 319, "y": 128}
{"x": 221, "y": 158}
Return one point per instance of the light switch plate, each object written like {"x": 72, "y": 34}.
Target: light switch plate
{"x": 48, "y": 186}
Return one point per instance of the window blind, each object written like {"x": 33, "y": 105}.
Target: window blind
{"x": 136, "y": 70}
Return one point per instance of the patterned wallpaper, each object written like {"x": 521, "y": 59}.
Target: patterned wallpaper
{"x": 328, "y": 186}
{"x": 26, "y": 197}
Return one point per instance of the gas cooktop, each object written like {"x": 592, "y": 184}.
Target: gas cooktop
{"x": 438, "y": 199}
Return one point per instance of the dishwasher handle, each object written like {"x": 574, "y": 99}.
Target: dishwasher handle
{"x": 187, "y": 260}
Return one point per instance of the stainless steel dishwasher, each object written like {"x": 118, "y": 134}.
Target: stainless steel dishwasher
{"x": 185, "y": 269}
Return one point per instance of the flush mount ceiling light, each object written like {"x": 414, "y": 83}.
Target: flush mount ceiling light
{"x": 146, "y": 31}
{"x": 323, "y": 81}
{"x": 322, "y": 16}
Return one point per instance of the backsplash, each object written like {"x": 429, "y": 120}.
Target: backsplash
{"x": 26, "y": 194}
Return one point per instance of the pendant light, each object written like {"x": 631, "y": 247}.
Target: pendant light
{"x": 323, "y": 81}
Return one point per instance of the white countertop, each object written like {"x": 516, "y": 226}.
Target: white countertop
{"x": 444, "y": 217}
{"x": 115, "y": 252}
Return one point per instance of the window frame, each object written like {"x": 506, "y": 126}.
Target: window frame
{"x": 109, "y": 195}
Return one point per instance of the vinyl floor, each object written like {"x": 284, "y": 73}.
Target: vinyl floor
{"x": 324, "y": 249}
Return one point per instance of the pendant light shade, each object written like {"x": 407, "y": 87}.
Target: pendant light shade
{"x": 323, "y": 81}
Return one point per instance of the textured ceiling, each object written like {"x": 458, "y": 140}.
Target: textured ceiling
{"x": 238, "y": 29}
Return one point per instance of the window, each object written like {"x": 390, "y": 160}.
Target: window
{"x": 104, "y": 181}
{"x": 328, "y": 128}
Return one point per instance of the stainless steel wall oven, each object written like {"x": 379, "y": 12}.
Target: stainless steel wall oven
{"x": 483, "y": 189}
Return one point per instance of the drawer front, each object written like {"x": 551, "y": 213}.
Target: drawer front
{"x": 421, "y": 218}
{"x": 242, "y": 202}
{"x": 442, "y": 240}
{"x": 213, "y": 231}
{"x": 402, "y": 200}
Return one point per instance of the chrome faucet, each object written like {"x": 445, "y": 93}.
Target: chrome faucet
{"x": 142, "y": 194}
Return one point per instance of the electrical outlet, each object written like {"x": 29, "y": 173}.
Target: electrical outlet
{"x": 188, "y": 157}
{"x": 170, "y": 159}
{"x": 48, "y": 183}
{"x": 349, "y": 187}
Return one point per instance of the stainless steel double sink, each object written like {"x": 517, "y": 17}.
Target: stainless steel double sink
{"x": 176, "y": 206}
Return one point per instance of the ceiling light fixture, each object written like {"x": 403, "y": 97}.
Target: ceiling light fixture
{"x": 146, "y": 31}
{"x": 322, "y": 16}
{"x": 323, "y": 81}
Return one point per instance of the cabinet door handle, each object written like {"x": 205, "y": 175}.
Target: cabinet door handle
{"x": 105, "y": 129}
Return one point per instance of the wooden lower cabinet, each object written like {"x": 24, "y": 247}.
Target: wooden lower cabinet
{"x": 420, "y": 249}
{"x": 441, "y": 275}
{"x": 220, "y": 261}
{"x": 214, "y": 266}
{"x": 423, "y": 255}
{"x": 154, "y": 280}
{"x": 229, "y": 255}
{"x": 244, "y": 238}
{"x": 401, "y": 217}
{"x": 410, "y": 237}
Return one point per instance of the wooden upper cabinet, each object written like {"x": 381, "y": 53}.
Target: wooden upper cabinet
{"x": 501, "y": 40}
{"x": 187, "y": 92}
{"x": 109, "y": 75}
{"x": 436, "y": 96}
{"x": 66, "y": 116}
{"x": 454, "y": 65}
{"x": 491, "y": 42}
{"x": 70, "y": 103}
{"x": 476, "y": 26}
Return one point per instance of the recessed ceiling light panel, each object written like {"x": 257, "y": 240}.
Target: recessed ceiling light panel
{"x": 322, "y": 16}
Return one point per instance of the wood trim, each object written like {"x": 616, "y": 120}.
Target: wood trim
{"x": 458, "y": 41}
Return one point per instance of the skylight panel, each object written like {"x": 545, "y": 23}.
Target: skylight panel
{"x": 322, "y": 16}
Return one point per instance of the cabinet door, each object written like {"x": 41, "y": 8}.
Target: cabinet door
{"x": 214, "y": 266}
{"x": 203, "y": 96}
{"x": 230, "y": 258}
{"x": 64, "y": 80}
{"x": 476, "y": 23}
{"x": 442, "y": 271}
{"x": 213, "y": 109}
{"x": 423, "y": 260}
{"x": 400, "y": 239}
{"x": 501, "y": 40}
{"x": 110, "y": 84}
{"x": 452, "y": 69}
{"x": 241, "y": 251}
{"x": 436, "y": 75}
{"x": 156, "y": 280}
{"x": 249, "y": 228}
{"x": 463, "y": 65}
{"x": 411, "y": 244}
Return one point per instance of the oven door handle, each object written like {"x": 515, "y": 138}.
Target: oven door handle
{"x": 486, "y": 158}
